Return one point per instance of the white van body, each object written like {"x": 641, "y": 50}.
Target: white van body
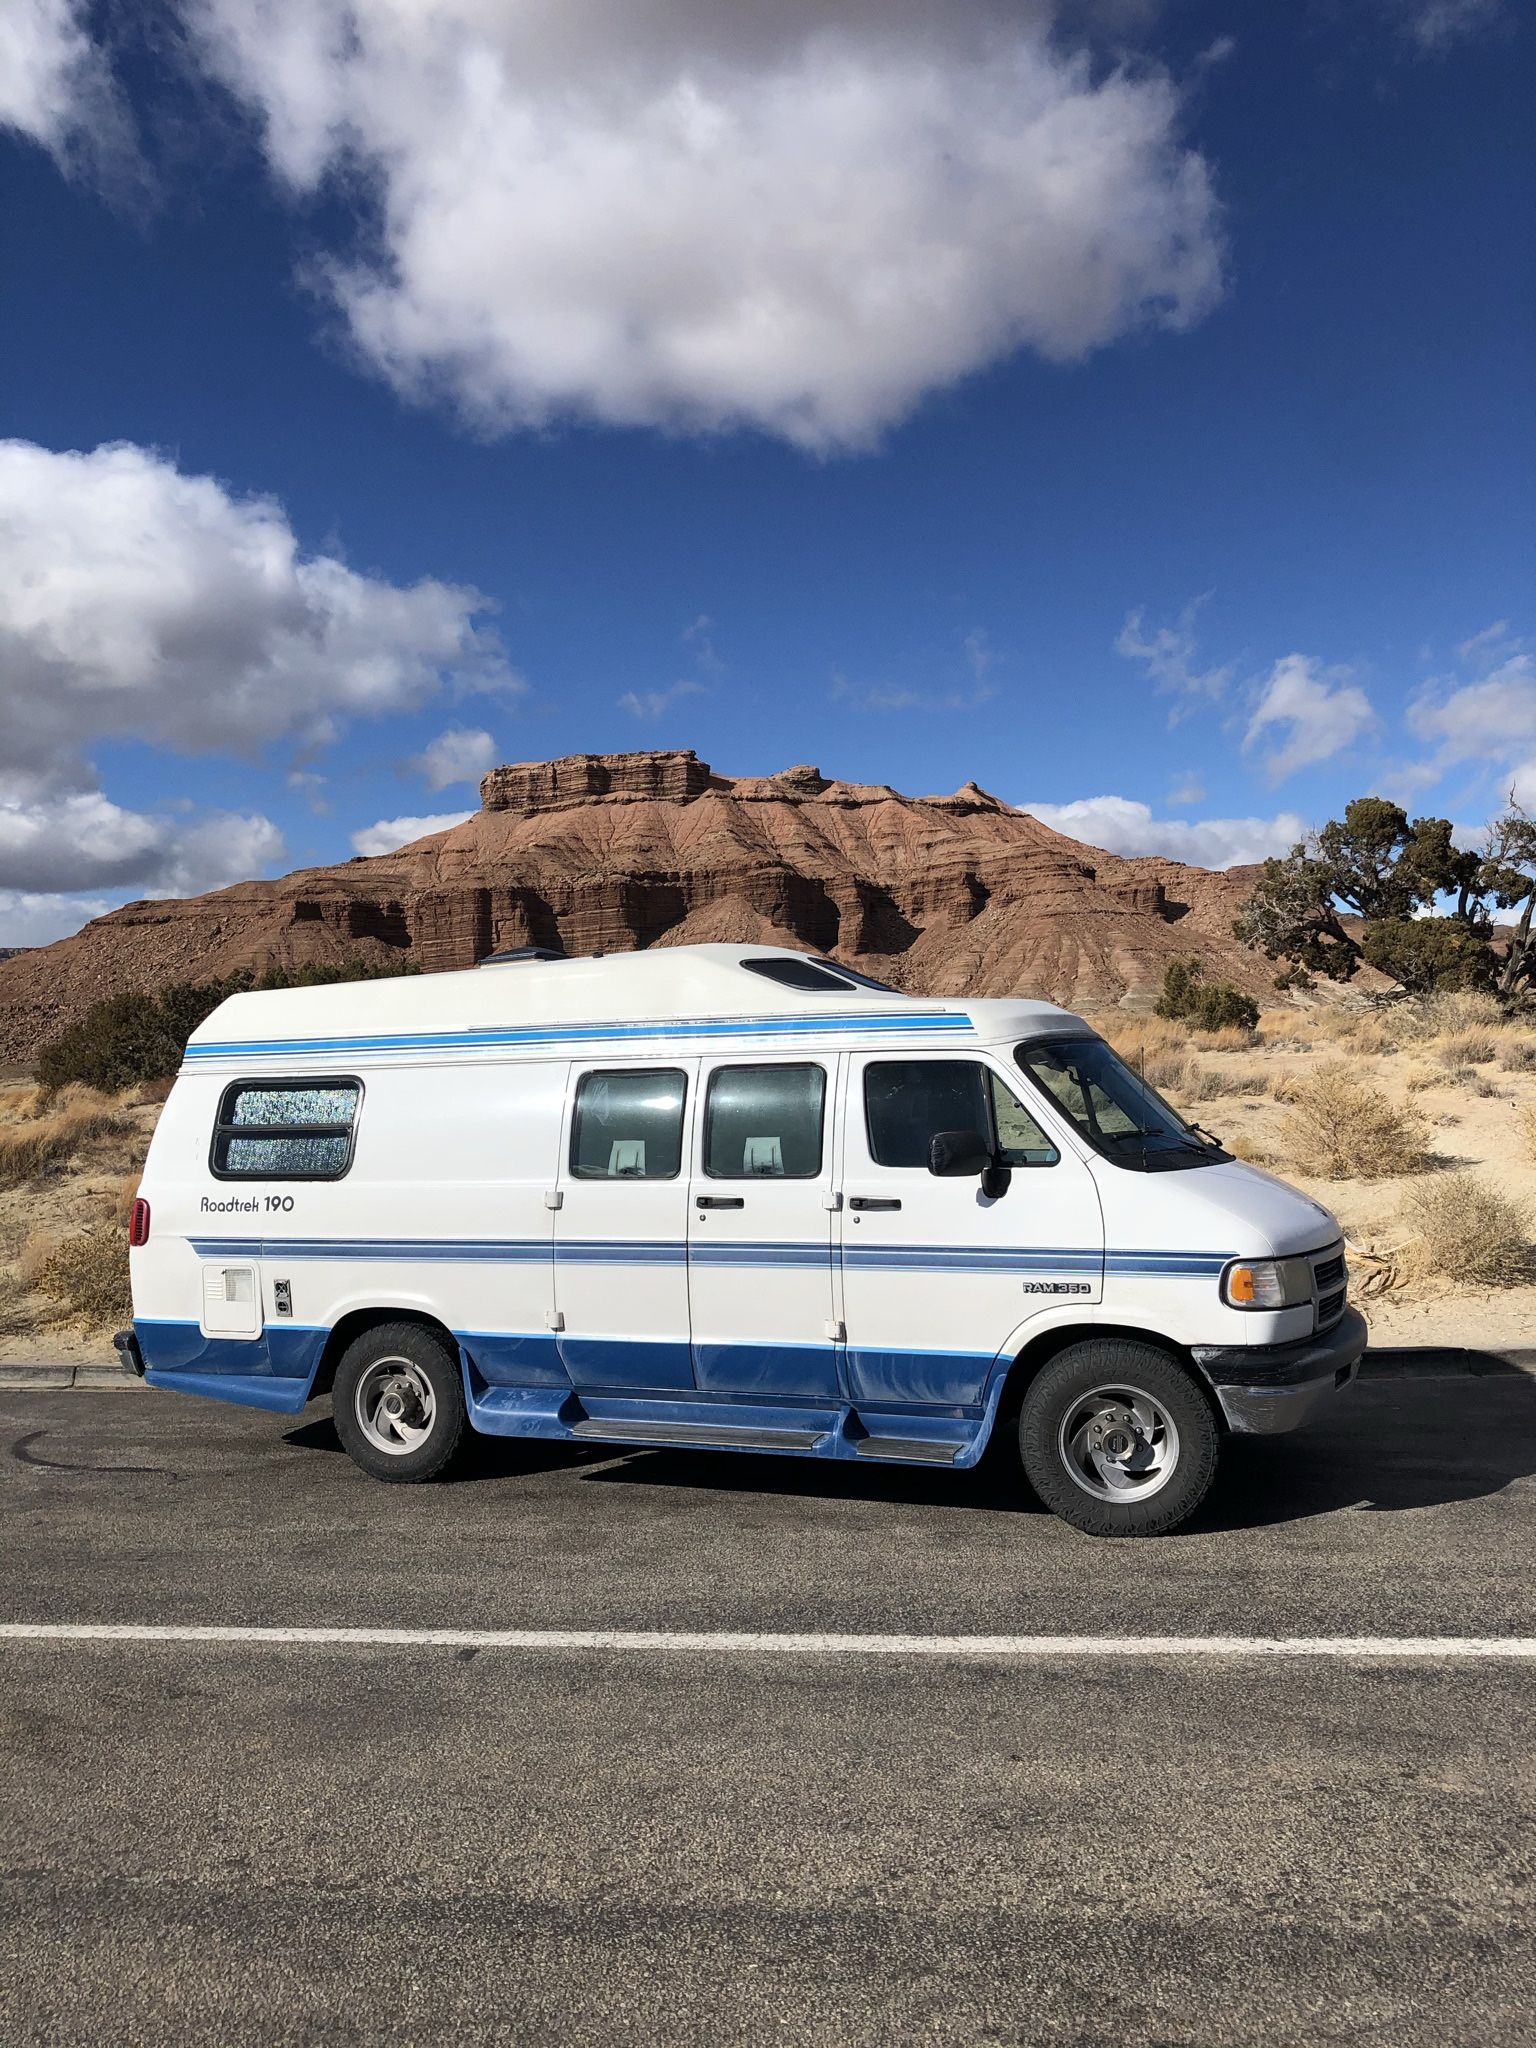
{"x": 776, "y": 1290}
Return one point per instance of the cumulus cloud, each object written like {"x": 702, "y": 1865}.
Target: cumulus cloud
{"x": 388, "y": 835}
{"x": 32, "y": 920}
{"x": 457, "y": 755}
{"x": 800, "y": 216}
{"x": 84, "y": 841}
{"x": 56, "y": 86}
{"x": 1492, "y": 718}
{"x": 1170, "y": 655}
{"x": 1306, "y": 713}
{"x": 138, "y": 601}
{"x": 1120, "y": 824}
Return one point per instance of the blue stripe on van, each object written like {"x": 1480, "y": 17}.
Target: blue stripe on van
{"x": 926, "y": 1023}
{"x": 930, "y": 1258}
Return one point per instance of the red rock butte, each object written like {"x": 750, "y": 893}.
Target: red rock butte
{"x": 940, "y": 895}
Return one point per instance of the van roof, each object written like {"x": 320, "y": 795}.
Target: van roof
{"x": 670, "y": 987}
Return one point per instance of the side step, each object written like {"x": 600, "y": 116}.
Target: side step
{"x": 907, "y": 1447}
{"x": 698, "y": 1434}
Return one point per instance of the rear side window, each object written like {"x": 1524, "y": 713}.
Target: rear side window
{"x": 906, "y": 1102}
{"x": 628, "y": 1125}
{"x": 286, "y": 1130}
{"x": 805, "y": 974}
{"x": 764, "y": 1123}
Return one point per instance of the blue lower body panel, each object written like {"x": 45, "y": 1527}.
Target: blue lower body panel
{"x": 516, "y": 1386}
{"x": 274, "y": 1370}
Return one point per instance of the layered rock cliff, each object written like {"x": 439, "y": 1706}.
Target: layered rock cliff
{"x": 944, "y": 895}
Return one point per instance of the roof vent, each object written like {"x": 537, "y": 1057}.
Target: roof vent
{"x": 508, "y": 954}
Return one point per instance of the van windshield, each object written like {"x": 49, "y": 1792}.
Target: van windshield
{"x": 1114, "y": 1109}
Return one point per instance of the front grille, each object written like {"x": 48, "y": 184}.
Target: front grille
{"x": 1328, "y": 1272}
{"x": 1330, "y": 1308}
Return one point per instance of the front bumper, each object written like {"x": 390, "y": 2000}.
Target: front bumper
{"x": 1266, "y": 1389}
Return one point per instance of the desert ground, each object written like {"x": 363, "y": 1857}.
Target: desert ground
{"x": 1415, "y": 1123}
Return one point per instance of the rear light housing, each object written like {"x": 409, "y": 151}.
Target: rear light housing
{"x": 138, "y": 1222}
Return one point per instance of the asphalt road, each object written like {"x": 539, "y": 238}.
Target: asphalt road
{"x": 261, "y": 1843}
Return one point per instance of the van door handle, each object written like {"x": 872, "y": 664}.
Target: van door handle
{"x": 719, "y": 1202}
{"x": 874, "y": 1202}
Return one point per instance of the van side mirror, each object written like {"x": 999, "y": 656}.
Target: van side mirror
{"x": 958, "y": 1155}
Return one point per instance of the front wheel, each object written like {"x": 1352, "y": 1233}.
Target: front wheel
{"x": 1118, "y": 1439}
{"x": 398, "y": 1402}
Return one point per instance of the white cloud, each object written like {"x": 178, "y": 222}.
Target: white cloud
{"x": 387, "y": 835}
{"x": 1313, "y": 712}
{"x": 27, "y": 919}
{"x": 1169, "y": 653}
{"x": 800, "y": 216}
{"x": 654, "y": 704}
{"x": 1492, "y": 719}
{"x": 138, "y": 601}
{"x": 1189, "y": 789}
{"x": 457, "y": 755}
{"x": 55, "y": 84}
{"x": 1121, "y": 825}
{"x": 84, "y": 841}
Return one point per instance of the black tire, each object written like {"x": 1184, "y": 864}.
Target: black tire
{"x": 417, "y": 1366}
{"x": 1074, "y": 1395}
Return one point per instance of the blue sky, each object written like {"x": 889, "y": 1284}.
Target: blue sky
{"x": 1127, "y": 406}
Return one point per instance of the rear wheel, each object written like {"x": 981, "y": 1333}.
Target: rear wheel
{"x": 1119, "y": 1439}
{"x": 398, "y": 1402}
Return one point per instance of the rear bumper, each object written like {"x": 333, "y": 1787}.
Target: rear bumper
{"x": 126, "y": 1345}
{"x": 1266, "y": 1389}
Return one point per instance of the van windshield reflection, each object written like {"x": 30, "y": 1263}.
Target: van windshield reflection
{"x": 1120, "y": 1114}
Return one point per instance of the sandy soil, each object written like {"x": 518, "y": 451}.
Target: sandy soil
{"x": 1235, "y": 1085}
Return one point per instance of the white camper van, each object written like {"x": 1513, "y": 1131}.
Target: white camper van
{"x": 733, "y": 1197}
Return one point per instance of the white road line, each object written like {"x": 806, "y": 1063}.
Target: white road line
{"x": 1454, "y": 1649}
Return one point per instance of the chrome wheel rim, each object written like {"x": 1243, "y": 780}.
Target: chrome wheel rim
{"x": 1119, "y": 1444}
{"x": 395, "y": 1406}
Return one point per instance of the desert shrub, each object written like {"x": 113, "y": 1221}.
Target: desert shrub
{"x": 29, "y": 1148}
{"x": 1341, "y": 1128}
{"x": 1417, "y": 1079}
{"x": 1217, "y": 1081}
{"x": 88, "y": 1274}
{"x": 1248, "y": 1149}
{"x": 1464, "y": 1230}
{"x": 1207, "y": 1005}
{"x": 1461, "y": 1010}
{"x": 35, "y": 1254}
{"x": 1473, "y": 1046}
{"x": 139, "y": 1037}
{"x": 1287, "y": 1030}
{"x": 1517, "y": 1052}
{"x": 1525, "y": 1123}
{"x": 1176, "y": 1073}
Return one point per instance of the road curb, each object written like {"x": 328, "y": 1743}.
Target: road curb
{"x": 59, "y": 1379}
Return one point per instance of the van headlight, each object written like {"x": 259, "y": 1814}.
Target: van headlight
{"x": 1267, "y": 1283}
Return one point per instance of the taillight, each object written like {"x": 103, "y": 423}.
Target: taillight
{"x": 138, "y": 1222}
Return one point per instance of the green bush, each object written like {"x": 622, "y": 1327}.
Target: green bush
{"x": 1207, "y": 1005}
{"x": 136, "y": 1036}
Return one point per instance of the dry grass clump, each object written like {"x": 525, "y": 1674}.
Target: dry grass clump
{"x": 1286, "y": 1030}
{"x": 88, "y": 1274}
{"x": 34, "y": 1256}
{"x": 1417, "y": 1079}
{"x": 1517, "y": 1052}
{"x": 1341, "y": 1128}
{"x": 1467, "y": 1232}
{"x": 1525, "y": 1123}
{"x": 1473, "y": 1046}
{"x": 1457, "y": 1010}
{"x": 1171, "y": 1073}
{"x": 35, "y": 1143}
{"x": 1217, "y": 1081}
